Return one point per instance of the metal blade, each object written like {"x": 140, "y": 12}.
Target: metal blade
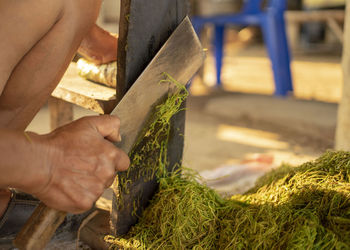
{"x": 181, "y": 57}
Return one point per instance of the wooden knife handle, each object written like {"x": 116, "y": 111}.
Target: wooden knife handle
{"x": 39, "y": 228}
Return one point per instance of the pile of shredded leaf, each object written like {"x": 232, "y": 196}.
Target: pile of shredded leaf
{"x": 305, "y": 207}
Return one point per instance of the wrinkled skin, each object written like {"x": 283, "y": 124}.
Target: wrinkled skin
{"x": 69, "y": 168}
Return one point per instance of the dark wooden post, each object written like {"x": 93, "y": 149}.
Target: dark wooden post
{"x": 145, "y": 25}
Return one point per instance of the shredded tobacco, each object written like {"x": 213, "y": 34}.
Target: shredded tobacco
{"x": 305, "y": 207}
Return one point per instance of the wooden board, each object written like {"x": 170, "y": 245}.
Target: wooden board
{"x": 94, "y": 232}
{"x": 333, "y": 18}
{"x": 315, "y": 16}
{"x": 84, "y": 93}
{"x": 145, "y": 25}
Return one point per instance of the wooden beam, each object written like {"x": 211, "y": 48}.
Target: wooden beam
{"x": 84, "y": 93}
{"x": 337, "y": 29}
{"x": 315, "y": 16}
{"x": 343, "y": 127}
{"x": 333, "y": 18}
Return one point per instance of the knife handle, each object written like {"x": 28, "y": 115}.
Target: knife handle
{"x": 39, "y": 228}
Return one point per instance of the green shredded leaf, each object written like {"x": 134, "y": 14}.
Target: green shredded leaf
{"x": 305, "y": 207}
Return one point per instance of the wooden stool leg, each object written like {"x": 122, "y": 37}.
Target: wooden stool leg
{"x": 61, "y": 112}
{"x": 343, "y": 126}
{"x": 293, "y": 29}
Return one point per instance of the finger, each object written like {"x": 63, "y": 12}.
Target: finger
{"x": 109, "y": 184}
{"x": 107, "y": 125}
{"x": 106, "y": 170}
{"x": 122, "y": 161}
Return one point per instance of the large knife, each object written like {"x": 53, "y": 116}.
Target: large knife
{"x": 180, "y": 57}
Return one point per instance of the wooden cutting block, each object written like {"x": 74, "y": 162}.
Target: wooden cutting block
{"x": 145, "y": 25}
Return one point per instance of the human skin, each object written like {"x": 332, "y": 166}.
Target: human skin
{"x": 97, "y": 45}
{"x": 69, "y": 168}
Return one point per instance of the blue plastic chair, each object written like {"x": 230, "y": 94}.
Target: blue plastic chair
{"x": 271, "y": 21}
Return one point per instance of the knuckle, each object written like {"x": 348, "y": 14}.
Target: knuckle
{"x": 105, "y": 170}
{"x": 124, "y": 162}
{"x": 115, "y": 120}
{"x": 108, "y": 173}
{"x": 113, "y": 154}
{"x": 85, "y": 204}
{"x": 85, "y": 122}
{"x": 93, "y": 167}
{"x": 84, "y": 119}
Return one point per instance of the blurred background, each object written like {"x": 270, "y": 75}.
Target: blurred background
{"x": 241, "y": 128}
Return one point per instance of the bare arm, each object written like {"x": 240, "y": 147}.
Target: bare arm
{"x": 16, "y": 152}
{"x": 99, "y": 46}
{"x": 67, "y": 169}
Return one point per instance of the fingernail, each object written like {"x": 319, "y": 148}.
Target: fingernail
{"x": 120, "y": 138}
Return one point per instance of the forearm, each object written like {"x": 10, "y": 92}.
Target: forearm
{"x": 99, "y": 46}
{"x": 67, "y": 169}
{"x": 21, "y": 163}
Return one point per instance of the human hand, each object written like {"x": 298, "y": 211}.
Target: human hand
{"x": 81, "y": 162}
{"x": 99, "y": 46}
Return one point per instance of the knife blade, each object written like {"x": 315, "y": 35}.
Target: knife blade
{"x": 180, "y": 57}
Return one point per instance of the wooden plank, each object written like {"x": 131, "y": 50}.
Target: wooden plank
{"x": 144, "y": 27}
{"x": 84, "y": 93}
{"x": 331, "y": 17}
{"x": 96, "y": 229}
{"x": 337, "y": 29}
{"x": 315, "y": 16}
{"x": 343, "y": 126}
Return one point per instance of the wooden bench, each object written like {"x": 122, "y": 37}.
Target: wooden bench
{"x": 333, "y": 18}
{"x": 75, "y": 90}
